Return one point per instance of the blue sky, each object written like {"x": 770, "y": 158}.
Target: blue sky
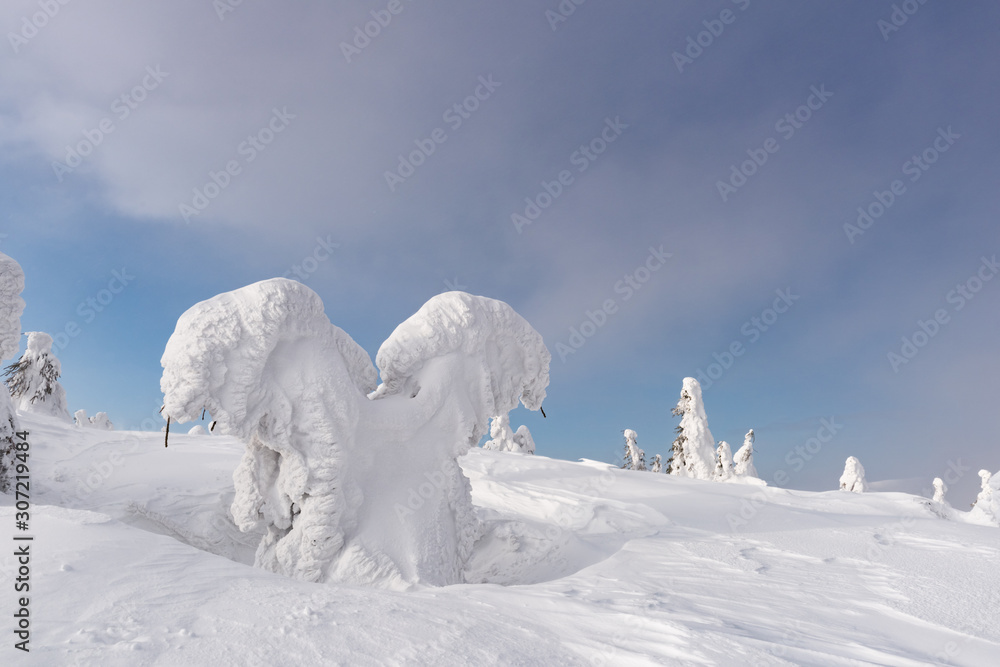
{"x": 186, "y": 93}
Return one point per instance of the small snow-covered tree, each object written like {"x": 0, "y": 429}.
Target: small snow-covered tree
{"x": 351, "y": 481}
{"x": 694, "y": 447}
{"x": 986, "y": 509}
{"x": 501, "y": 435}
{"x": 853, "y": 478}
{"x": 744, "y": 457}
{"x": 635, "y": 458}
{"x": 11, "y": 307}
{"x": 34, "y": 380}
{"x": 939, "y": 490}
{"x": 724, "y": 462}
{"x": 502, "y": 439}
{"x": 523, "y": 440}
{"x": 81, "y": 419}
{"x": 657, "y": 464}
{"x": 102, "y": 421}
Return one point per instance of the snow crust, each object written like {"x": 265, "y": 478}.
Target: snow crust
{"x": 143, "y": 565}
{"x": 350, "y": 481}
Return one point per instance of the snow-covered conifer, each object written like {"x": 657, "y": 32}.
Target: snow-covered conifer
{"x": 939, "y": 490}
{"x": 34, "y": 380}
{"x": 501, "y": 435}
{"x": 853, "y": 478}
{"x": 986, "y": 509}
{"x": 81, "y": 419}
{"x": 11, "y": 307}
{"x": 724, "y": 462}
{"x": 744, "y": 457}
{"x": 657, "y": 464}
{"x": 523, "y": 440}
{"x": 635, "y": 458}
{"x": 102, "y": 421}
{"x": 694, "y": 447}
{"x": 350, "y": 481}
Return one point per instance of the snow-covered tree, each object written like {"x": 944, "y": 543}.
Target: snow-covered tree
{"x": 694, "y": 447}
{"x": 657, "y": 464}
{"x": 853, "y": 478}
{"x": 502, "y": 439}
{"x": 34, "y": 380}
{"x": 939, "y": 490}
{"x": 635, "y": 458}
{"x": 744, "y": 457}
{"x": 724, "y": 468}
{"x": 198, "y": 430}
{"x": 986, "y": 509}
{"x": 98, "y": 421}
{"x": 11, "y": 307}
{"x": 353, "y": 482}
{"x": 501, "y": 435}
{"x": 522, "y": 438}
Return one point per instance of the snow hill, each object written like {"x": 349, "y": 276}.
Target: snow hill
{"x": 136, "y": 561}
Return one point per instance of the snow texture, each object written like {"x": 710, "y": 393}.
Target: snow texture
{"x": 351, "y": 482}
{"x": 11, "y": 307}
{"x": 853, "y": 478}
{"x": 744, "y": 457}
{"x": 699, "y": 445}
{"x": 34, "y": 379}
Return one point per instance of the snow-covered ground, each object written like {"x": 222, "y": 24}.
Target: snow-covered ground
{"x": 136, "y": 562}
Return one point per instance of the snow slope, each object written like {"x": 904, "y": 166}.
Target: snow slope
{"x": 136, "y": 562}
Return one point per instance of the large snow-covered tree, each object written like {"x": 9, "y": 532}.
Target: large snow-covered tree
{"x": 744, "y": 457}
{"x": 353, "y": 482}
{"x": 11, "y": 307}
{"x": 634, "y": 458}
{"x": 33, "y": 380}
{"x": 694, "y": 447}
{"x": 853, "y": 478}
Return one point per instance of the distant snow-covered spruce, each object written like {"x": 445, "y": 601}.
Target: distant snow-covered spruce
{"x": 657, "y": 465}
{"x": 634, "y": 458}
{"x": 33, "y": 380}
{"x": 523, "y": 440}
{"x": 724, "y": 469}
{"x": 11, "y": 307}
{"x": 98, "y": 421}
{"x": 940, "y": 489}
{"x": 503, "y": 439}
{"x": 353, "y": 482}
{"x": 986, "y": 509}
{"x": 853, "y": 478}
{"x": 694, "y": 447}
{"x": 744, "y": 457}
